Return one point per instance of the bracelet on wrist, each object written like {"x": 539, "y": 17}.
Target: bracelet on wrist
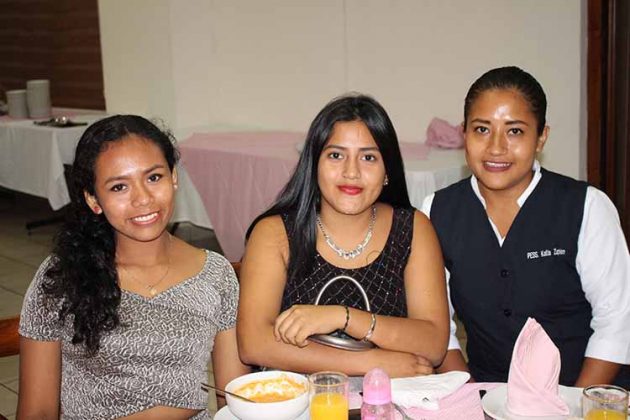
{"x": 347, "y": 319}
{"x": 368, "y": 336}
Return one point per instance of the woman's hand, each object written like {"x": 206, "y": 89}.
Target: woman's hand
{"x": 400, "y": 364}
{"x": 297, "y": 323}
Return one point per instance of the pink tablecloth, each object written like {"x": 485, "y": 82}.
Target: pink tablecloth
{"x": 239, "y": 175}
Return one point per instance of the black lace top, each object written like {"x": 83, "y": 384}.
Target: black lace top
{"x": 382, "y": 280}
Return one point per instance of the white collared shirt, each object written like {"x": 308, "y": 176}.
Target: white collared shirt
{"x": 603, "y": 264}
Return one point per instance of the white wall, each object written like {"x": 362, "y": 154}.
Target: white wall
{"x": 274, "y": 63}
{"x": 135, "y": 44}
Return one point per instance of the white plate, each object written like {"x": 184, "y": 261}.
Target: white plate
{"x": 494, "y": 403}
{"x": 226, "y": 414}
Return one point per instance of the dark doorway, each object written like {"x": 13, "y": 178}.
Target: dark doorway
{"x": 609, "y": 102}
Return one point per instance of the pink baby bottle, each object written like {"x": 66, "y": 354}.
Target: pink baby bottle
{"x": 377, "y": 396}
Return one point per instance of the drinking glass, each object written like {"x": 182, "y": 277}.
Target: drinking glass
{"x": 604, "y": 402}
{"x": 329, "y": 396}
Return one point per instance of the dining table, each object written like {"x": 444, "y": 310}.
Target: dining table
{"x": 472, "y": 401}
{"x": 239, "y": 175}
{"x": 33, "y": 160}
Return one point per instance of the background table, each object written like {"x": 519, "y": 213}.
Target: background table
{"x": 239, "y": 175}
{"x": 32, "y": 160}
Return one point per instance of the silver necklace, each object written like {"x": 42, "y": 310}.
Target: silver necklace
{"x": 152, "y": 288}
{"x": 353, "y": 253}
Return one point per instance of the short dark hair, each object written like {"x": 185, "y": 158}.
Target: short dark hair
{"x": 510, "y": 77}
{"x": 301, "y": 195}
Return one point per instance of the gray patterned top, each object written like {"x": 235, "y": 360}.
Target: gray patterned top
{"x": 159, "y": 354}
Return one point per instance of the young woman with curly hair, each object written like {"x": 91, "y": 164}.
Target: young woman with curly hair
{"x": 120, "y": 319}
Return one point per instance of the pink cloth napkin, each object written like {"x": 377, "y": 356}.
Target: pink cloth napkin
{"x": 444, "y": 135}
{"x": 532, "y": 388}
{"x": 465, "y": 403}
{"x": 462, "y": 404}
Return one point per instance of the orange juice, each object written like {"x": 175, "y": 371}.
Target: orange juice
{"x": 329, "y": 406}
{"x": 603, "y": 414}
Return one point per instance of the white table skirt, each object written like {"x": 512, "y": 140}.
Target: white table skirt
{"x": 32, "y": 161}
{"x": 441, "y": 169}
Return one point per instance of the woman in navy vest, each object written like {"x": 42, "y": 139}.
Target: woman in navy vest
{"x": 345, "y": 210}
{"x": 520, "y": 241}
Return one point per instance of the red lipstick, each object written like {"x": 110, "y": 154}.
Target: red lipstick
{"x": 350, "y": 190}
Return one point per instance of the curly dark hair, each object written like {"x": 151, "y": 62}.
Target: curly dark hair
{"x": 83, "y": 275}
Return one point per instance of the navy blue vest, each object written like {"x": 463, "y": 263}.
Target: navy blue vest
{"x": 494, "y": 289}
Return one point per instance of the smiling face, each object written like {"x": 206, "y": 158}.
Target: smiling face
{"x": 350, "y": 171}
{"x": 502, "y": 141}
{"x": 134, "y": 188}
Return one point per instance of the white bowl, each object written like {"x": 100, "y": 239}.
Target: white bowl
{"x": 282, "y": 410}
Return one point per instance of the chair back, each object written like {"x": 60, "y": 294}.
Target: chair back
{"x": 9, "y": 337}
{"x": 237, "y": 268}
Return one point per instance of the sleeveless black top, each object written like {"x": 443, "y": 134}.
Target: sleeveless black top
{"x": 382, "y": 280}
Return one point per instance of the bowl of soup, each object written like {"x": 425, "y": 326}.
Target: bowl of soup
{"x": 277, "y": 395}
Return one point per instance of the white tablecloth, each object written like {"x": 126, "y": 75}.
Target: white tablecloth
{"x": 32, "y": 159}
{"x": 439, "y": 170}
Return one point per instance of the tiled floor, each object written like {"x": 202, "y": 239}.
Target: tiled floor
{"x": 21, "y": 254}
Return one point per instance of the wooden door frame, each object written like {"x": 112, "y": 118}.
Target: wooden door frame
{"x": 608, "y": 102}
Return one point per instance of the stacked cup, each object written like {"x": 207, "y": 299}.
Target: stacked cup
{"x": 38, "y": 98}
{"x": 16, "y": 100}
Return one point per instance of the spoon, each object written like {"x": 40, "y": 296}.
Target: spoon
{"x": 205, "y": 387}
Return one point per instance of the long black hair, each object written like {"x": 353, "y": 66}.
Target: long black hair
{"x": 301, "y": 195}
{"x": 510, "y": 77}
{"x": 83, "y": 275}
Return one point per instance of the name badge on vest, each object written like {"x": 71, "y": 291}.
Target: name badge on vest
{"x": 545, "y": 253}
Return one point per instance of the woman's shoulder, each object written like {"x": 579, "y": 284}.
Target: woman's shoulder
{"x": 39, "y": 314}
{"x": 215, "y": 262}
{"x": 270, "y": 230}
{"x": 564, "y": 182}
{"x": 41, "y": 275}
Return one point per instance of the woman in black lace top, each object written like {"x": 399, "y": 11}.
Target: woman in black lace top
{"x": 345, "y": 210}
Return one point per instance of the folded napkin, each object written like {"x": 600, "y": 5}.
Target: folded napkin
{"x": 532, "y": 388}
{"x": 442, "y": 134}
{"x": 425, "y": 391}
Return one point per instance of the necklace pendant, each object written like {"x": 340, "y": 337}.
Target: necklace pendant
{"x": 152, "y": 291}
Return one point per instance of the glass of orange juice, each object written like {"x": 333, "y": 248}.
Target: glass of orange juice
{"x": 604, "y": 402}
{"x": 329, "y": 396}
